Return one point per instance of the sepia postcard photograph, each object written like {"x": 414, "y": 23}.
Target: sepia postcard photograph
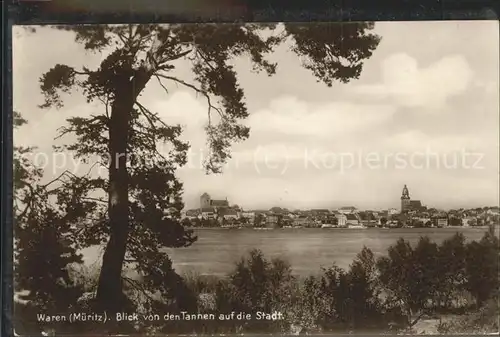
{"x": 255, "y": 179}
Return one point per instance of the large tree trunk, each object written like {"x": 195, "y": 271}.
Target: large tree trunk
{"x": 109, "y": 295}
{"x": 109, "y": 291}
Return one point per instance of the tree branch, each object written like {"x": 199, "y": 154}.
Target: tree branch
{"x": 95, "y": 199}
{"x": 88, "y": 227}
{"x": 205, "y": 58}
{"x": 82, "y": 72}
{"x": 198, "y": 90}
{"x": 150, "y": 116}
{"x": 162, "y": 85}
{"x": 106, "y": 104}
{"x": 130, "y": 260}
{"x": 415, "y": 321}
{"x": 137, "y": 287}
{"x": 175, "y": 57}
{"x": 28, "y": 203}
{"x": 58, "y": 178}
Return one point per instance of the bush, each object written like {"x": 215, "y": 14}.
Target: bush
{"x": 451, "y": 274}
{"x": 343, "y": 301}
{"x": 482, "y": 267}
{"x": 200, "y": 284}
{"x": 258, "y": 284}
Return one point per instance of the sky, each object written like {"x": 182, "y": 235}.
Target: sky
{"x": 424, "y": 112}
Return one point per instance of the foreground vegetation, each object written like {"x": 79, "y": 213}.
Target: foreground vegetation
{"x": 455, "y": 281}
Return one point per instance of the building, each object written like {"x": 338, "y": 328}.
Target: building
{"x": 273, "y": 220}
{"x": 408, "y": 205}
{"x": 405, "y": 200}
{"x": 341, "y": 220}
{"x": 415, "y": 205}
{"x": 278, "y": 210}
{"x": 392, "y": 211}
{"x": 208, "y": 213}
{"x": 250, "y": 215}
{"x": 352, "y": 220}
{"x": 441, "y": 221}
{"x": 368, "y": 219}
{"x": 192, "y": 214}
{"x": 330, "y": 219}
{"x": 220, "y": 209}
{"x": 206, "y": 201}
{"x": 493, "y": 211}
{"x": 228, "y": 214}
{"x": 425, "y": 221}
{"x": 469, "y": 221}
{"x": 322, "y": 215}
{"x": 301, "y": 221}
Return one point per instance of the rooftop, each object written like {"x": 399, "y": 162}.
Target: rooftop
{"x": 219, "y": 203}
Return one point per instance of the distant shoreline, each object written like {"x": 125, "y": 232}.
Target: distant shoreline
{"x": 340, "y": 228}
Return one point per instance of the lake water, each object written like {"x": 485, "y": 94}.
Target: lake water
{"x": 307, "y": 250}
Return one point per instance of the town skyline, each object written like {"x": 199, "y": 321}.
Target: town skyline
{"x": 397, "y": 205}
{"x": 411, "y": 214}
{"x": 406, "y": 100}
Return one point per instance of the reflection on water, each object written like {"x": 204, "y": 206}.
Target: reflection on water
{"x": 307, "y": 250}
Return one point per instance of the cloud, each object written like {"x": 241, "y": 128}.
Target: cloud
{"x": 406, "y": 83}
{"x": 290, "y": 116}
{"x": 287, "y": 125}
{"x": 416, "y": 140}
{"x": 184, "y": 109}
{"x": 181, "y": 107}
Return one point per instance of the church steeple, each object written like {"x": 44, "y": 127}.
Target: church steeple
{"x": 405, "y": 200}
{"x": 405, "y": 194}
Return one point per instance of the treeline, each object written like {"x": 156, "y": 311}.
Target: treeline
{"x": 391, "y": 292}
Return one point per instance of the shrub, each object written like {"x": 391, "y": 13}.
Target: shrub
{"x": 409, "y": 277}
{"x": 451, "y": 275}
{"x": 482, "y": 267}
{"x": 339, "y": 300}
{"x": 352, "y": 296}
{"x": 258, "y": 284}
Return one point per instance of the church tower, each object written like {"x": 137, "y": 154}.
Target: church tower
{"x": 205, "y": 200}
{"x": 405, "y": 200}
